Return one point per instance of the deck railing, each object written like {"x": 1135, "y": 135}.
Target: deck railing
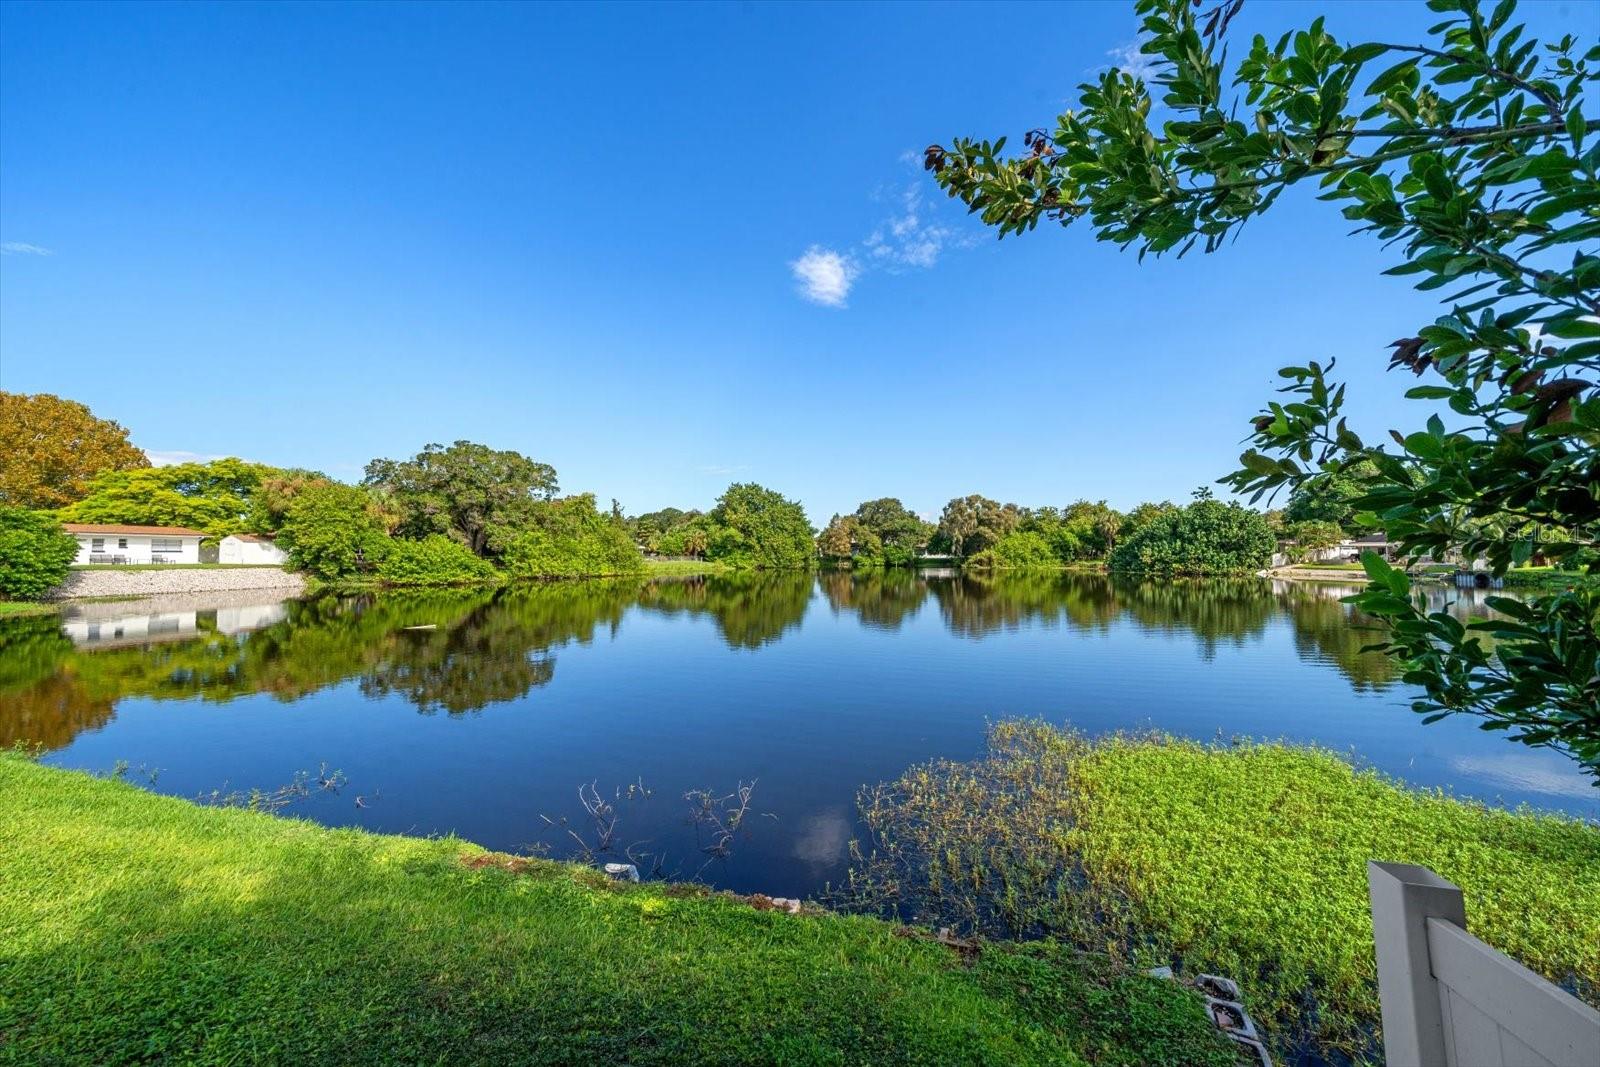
{"x": 1449, "y": 1000}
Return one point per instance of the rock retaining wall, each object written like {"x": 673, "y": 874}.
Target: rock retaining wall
{"x": 154, "y": 582}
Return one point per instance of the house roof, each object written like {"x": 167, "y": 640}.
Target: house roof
{"x": 115, "y": 528}
{"x": 259, "y": 539}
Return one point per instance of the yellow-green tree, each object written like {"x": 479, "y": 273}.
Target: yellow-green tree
{"x": 50, "y": 448}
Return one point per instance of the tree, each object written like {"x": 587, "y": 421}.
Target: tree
{"x": 846, "y": 539}
{"x": 1144, "y": 514}
{"x": 215, "y": 497}
{"x": 755, "y": 527}
{"x": 35, "y": 553}
{"x": 269, "y": 504}
{"x": 972, "y": 523}
{"x": 570, "y": 538}
{"x": 1471, "y": 156}
{"x": 1207, "y": 537}
{"x": 1311, "y": 535}
{"x": 333, "y": 531}
{"x": 50, "y": 448}
{"x": 481, "y": 496}
{"x": 898, "y": 530}
{"x": 1331, "y": 496}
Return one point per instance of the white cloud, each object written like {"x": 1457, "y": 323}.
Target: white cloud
{"x": 22, "y": 248}
{"x": 825, "y": 276}
{"x": 907, "y": 239}
{"x": 169, "y": 457}
{"x": 1526, "y": 771}
{"x": 1128, "y": 59}
{"x": 724, "y": 469}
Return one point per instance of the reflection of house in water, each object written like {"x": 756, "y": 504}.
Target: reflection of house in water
{"x": 114, "y": 625}
{"x": 131, "y": 629}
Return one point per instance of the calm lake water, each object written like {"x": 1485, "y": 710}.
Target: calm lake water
{"x": 488, "y": 721}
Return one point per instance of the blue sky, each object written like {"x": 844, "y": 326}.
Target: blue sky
{"x": 312, "y": 234}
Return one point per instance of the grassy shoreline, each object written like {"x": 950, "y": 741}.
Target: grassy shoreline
{"x": 16, "y": 609}
{"x": 138, "y": 927}
{"x": 1245, "y": 859}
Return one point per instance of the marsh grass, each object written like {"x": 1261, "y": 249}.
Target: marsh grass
{"x": 142, "y": 928}
{"x": 1248, "y": 860}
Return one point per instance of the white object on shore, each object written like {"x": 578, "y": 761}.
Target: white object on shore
{"x": 622, "y": 872}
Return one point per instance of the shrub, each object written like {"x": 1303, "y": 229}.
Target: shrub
{"x": 1207, "y": 537}
{"x": 1018, "y": 550}
{"x": 434, "y": 560}
{"x": 570, "y": 538}
{"x": 35, "y": 553}
{"x": 331, "y": 531}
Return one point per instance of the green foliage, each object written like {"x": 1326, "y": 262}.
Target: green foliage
{"x": 1248, "y": 860}
{"x": 1144, "y": 514}
{"x": 434, "y": 560}
{"x": 570, "y": 538}
{"x": 1331, "y": 496}
{"x": 1207, "y": 537}
{"x": 1017, "y": 550}
{"x": 482, "y": 496}
{"x": 1309, "y": 536}
{"x": 878, "y": 533}
{"x": 215, "y": 497}
{"x": 333, "y": 531}
{"x": 1470, "y": 155}
{"x": 755, "y": 527}
{"x": 35, "y": 553}
{"x": 972, "y": 523}
{"x": 142, "y": 927}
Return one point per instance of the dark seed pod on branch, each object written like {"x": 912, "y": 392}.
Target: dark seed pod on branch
{"x": 933, "y": 158}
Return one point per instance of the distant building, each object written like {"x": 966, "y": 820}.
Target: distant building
{"x": 106, "y": 543}
{"x": 250, "y": 548}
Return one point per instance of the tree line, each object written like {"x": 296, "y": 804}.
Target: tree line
{"x": 467, "y": 513}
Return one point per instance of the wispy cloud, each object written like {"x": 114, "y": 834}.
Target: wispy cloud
{"x": 724, "y": 469}
{"x": 23, "y": 248}
{"x": 824, "y": 276}
{"x": 1525, "y": 771}
{"x": 906, "y": 240}
{"x": 168, "y": 457}
{"x": 1128, "y": 59}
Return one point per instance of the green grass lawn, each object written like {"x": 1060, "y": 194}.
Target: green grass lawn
{"x": 1246, "y": 860}
{"x": 659, "y": 568}
{"x": 139, "y": 928}
{"x": 18, "y": 608}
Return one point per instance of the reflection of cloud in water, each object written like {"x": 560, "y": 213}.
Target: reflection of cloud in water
{"x": 822, "y": 838}
{"x": 1526, "y": 771}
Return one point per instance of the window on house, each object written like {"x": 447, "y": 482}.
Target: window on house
{"x": 166, "y": 544}
{"x": 122, "y": 542}
{"x": 97, "y": 544}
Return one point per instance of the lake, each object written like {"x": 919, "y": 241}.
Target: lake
{"x": 485, "y": 714}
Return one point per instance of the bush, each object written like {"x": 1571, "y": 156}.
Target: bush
{"x": 35, "y": 553}
{"x": 1018, "y": 550}
{"x": 1207, "y": 537}
{"x": 434, "y": 560}
{"x": 330, "y": 531}
{"x": 570, "y": 538}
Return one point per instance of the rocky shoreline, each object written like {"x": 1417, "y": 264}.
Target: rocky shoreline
{"x": 164, "y": 582}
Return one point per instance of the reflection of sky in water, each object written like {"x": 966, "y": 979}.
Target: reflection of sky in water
{"x": 1527, "y": 772}
{"x": 812, "y": 687}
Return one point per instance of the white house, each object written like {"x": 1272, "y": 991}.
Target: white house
{"x": 112, "y": 543}
{"x": 250, "y": 548}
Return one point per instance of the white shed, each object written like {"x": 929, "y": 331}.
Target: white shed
{"x": 114, "y": 543}
{"x": 250, "y": 548}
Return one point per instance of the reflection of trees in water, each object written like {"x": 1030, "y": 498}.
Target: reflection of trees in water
{"x": 1215, "y": 610}
{"x": 1334, "y": 632}
{"x": 483, "y": 648}
{"x": 750, "y": 610}
{"x": 486, "y": 648}
{"x": 881, "y": 599}
{"x": 975, "y": 606}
